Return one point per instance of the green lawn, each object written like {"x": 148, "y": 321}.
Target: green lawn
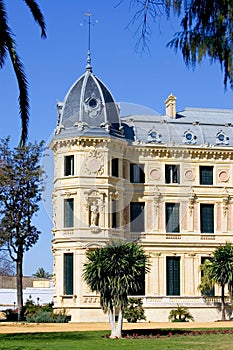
{"x": 96, "y": 341}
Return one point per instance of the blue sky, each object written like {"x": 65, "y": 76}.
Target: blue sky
{"x": 52, "y": 66}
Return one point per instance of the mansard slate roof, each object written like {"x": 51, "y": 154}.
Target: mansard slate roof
{"x": 192, "y": 126}
{"x": 90, "y": 110}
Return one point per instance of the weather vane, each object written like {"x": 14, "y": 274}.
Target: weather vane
{"x": 89, "y": 22}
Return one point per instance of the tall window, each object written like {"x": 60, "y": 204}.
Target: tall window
{"x": 173, "y": 275}
{"x": 69, "y": 165}
{"x": 68, "y": 273}
{"x": 69, "y": 212}
{"x": 210, "y": 292}
{"x": 172, "y": 217}
{"x": 137, "y": 217}
{"x": 115, "y": 167}
{"x": 115, "y": 222}
{"x": 172, "y": 174}
{"x": 137, "y": 173}
{"x": 207, "y": 218}
{"x": 206, "y": 175}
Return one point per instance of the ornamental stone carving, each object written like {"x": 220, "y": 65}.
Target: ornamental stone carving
{"x": 189, "y": 174}
{"x": 94, "y": 164}
{"x": 155, "y": 174}
{"x": 223, "y": 175}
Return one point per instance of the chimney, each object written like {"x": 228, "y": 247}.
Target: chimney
{"x": 170, "y": 104}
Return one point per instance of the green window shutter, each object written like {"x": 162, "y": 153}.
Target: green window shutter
{"x": 173, "y": 275}
{"x": 69, "y": 212}
{"x": 207, "y": 218}
{"x": 137, "y": 223}
{"x": 172, "y": 217}
{"x": 68, "y": 274}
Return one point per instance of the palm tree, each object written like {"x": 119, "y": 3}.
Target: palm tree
{"x": 181, "y": 314}
{"x": 219, "y": 269}
{"x": 8, "y": 45}
{"x": 41, "y": 273}
{"x": 116, "y": 271}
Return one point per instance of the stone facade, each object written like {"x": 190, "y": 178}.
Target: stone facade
{"x": 163, "y": 181}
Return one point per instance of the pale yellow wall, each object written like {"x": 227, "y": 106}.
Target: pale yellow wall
{"x": 92, "y": 173}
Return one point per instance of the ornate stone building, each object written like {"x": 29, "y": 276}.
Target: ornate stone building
{"x": 164, "y": 181}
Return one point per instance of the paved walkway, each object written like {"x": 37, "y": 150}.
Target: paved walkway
{"x": 6, "y": 327}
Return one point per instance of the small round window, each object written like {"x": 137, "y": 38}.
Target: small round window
{"x": 153, "y": 134}
{"x": 92, "y": 102}
{"x": 189, "y": 137}
{"x": 221, "y": 138}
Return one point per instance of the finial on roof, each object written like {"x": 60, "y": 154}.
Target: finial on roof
{"x": 88, "y": 66}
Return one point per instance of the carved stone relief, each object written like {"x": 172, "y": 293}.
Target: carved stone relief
{"x": 223, "y": 175}
{"x": 94, "y": 164}
{"x": 94, "y": 202}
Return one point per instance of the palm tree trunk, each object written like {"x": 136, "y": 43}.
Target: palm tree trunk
{"x": 223, "y": 305}
{"x": 19, "y": 283}
{"x": 111, "y": 314}
{"x": 119, "y": 325}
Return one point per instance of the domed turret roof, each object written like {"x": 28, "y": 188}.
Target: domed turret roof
{"x": 88, "y": 108}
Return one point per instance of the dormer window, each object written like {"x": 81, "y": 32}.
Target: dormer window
{"x": 189, "y": 137}
{"x": 221, "y": 138}
{"x": 153, "y": 136}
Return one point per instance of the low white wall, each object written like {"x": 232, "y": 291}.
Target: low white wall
{"x": 8, "y": 297}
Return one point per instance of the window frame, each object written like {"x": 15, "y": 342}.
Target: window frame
{"x": 68, "y": 280}
{"x": 173, "y": 279}
{"x": 207, "y": 223}
{"x": 137, "y": 174}
{"x": 172, "y": 173}
{"x": 69, "y": 165}
{"x": 115, "y": 167}
{"x": 172, "y": 218}
{"x": 211, "y": 292}
{"x": 68, "y": 212}
{"x": 206, "y": 175}
{"x": 115, "y": 216}
{"x": 136, "y": 210}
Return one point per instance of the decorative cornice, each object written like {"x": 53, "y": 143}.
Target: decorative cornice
{"x": 163, "y": 151}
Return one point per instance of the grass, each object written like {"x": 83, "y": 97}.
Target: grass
{"x": 97, "y": 341}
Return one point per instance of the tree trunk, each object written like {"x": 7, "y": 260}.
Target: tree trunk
{"x": 119, "y": 325}
{"x": 223, "y": 305}
{"x": 111, "y": 314}
{"x": 19, "y": 277}
{"x": 116, "y": 328}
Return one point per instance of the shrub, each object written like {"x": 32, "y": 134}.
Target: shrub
{"x": 11, "y": 315}
{"x": 181, "y": 314}
{"x": 35, "y": 313}
{"x": 47, "y": 317}
{"x": 134, "y": 310}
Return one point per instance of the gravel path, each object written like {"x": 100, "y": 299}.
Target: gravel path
{"x": 6, "y": 327}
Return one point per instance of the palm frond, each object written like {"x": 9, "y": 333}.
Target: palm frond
{"x": 23, "y": 90}
{"x": 37, "y": 15}
{"x": 4, "y": 31}
{"x": 7, "y": 44}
